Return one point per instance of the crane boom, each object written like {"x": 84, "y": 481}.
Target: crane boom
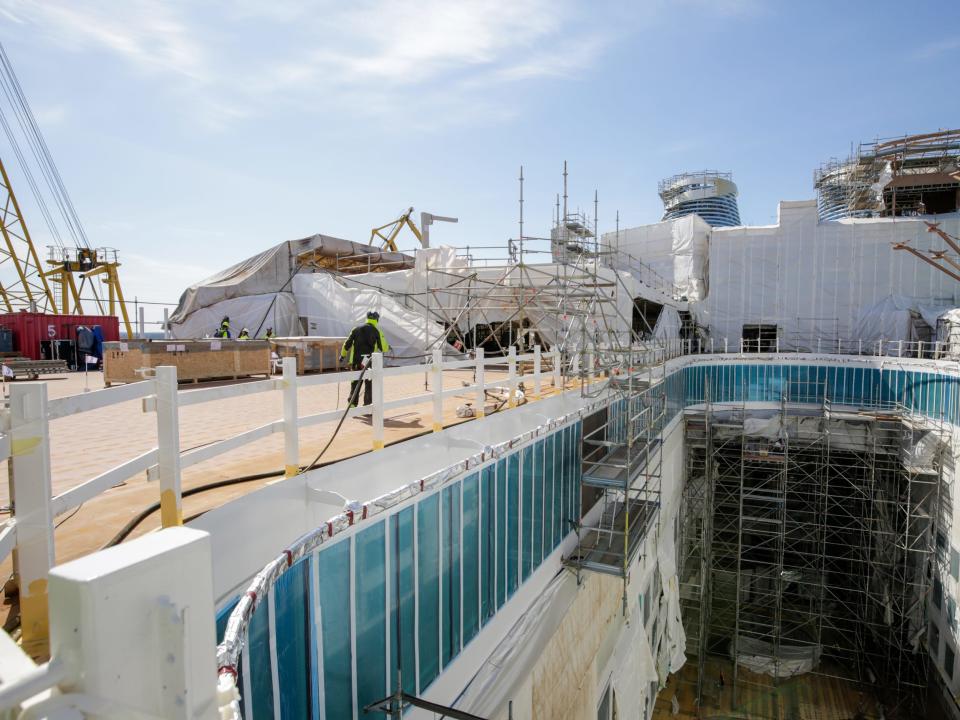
{"x": 29, "y": 289}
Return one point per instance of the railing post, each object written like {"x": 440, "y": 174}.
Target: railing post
{"x": 478, "y": 374}
{"x": 376, "y": 380}
{"x": 899, "y": 348}
{"x": 880, "y": 351}
{"x": 291, "y": 435}
{"x": 168, "y": 447}
{"x": 437, "y": 389}
{"x": 537, "y": 387}
{"x": 512, "y": 376}
{"x": 557, "y": 376}
{"x": 31, "y": 492}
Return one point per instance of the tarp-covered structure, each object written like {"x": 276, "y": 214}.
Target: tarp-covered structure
{"x": 811, "y": 279}
{"x": 436, "y": 298}
{"x": 256, "y": 293}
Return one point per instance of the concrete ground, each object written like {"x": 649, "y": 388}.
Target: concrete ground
{"x": 83, "y": 446}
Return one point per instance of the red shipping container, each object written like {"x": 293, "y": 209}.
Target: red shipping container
{"x": 29, "y": 329}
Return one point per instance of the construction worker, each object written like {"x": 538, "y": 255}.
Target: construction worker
{"x": 244, "y": 334}
{"x": 364, "y": 340}
{"x": 270, "y": 333}
{"x": 224, "y": 330}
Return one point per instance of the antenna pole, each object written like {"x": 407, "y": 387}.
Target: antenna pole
{"x": 564, "y": 189}
{"x": 521, "y": 203}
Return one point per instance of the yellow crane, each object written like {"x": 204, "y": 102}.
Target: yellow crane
{"x": 32, "y": 287}
{"x": 393, "y": 229}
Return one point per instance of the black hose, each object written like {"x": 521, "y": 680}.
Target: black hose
{"x": 226, "y": 482}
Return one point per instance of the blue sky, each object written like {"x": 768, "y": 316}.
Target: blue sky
{"x": 193, "y": 134}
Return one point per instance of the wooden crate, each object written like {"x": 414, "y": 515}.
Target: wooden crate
{"x": 195, "y": 360}
{"x": 313, "y": 354}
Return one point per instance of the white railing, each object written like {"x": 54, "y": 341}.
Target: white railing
{"x": 926, "y": 349}
{"x": 30, "y": 530}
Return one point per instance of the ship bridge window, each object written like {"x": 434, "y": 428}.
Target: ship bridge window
{"x": 759, "y": 338}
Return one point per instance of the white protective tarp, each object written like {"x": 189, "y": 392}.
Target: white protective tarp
{"x": 633, "y": 668}
{"x": 328, "y": 308}
{"x": 264, "y": 274}
{"x": 505, "y": 669}
{"x": 783, "y": 661}
{"x": 811, "y": 279}
{"x": 892, "y": 317}
{"x": 673, "y": 642}
{"x": 677, "y": 251}
{"x": 668, "y": 324}
{"x": 254, "y": 312}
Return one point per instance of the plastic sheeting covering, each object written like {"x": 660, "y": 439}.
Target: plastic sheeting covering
{"x": 498, "y": 678}
{"x": 673, "y": 643}
{"x": 254, "y": 312}
{"x": 668, "y": 324}
{"x": 789, "y": 660}
{"x": 892, "y": 317}
{"x": 331, "y": 309}
{"x": 264, "y": 273}
{"x": 633, "y": 669}
{"x": 677, "y": 250}
{"x": 814, "y": 279}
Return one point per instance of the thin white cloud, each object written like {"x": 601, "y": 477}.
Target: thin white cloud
{"x": 364, "y": 57}
{"x": 936, "y": 49}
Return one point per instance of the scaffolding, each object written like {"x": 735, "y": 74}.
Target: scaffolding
{"x": 910, "y": 175}
{"x": 806, "y": 542}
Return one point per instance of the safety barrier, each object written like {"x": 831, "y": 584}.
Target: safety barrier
{"x": 30, "y": 529}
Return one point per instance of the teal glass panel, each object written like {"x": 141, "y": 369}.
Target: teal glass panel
{"x": 576, "y": 473}
{"x": 292, "y": 625}
{"x": 501, "y": 538}
{"x": 370, "y": 593}
{"x": 428, "y": 587}
{"x": 471, "y": 557}
{"x": 527, "y": 512}
{"x": 488, "y": 543}
{"x": 261, "y": 679}
{"x": 563, "y": 487}
{"x": 333, "y": 563}
{"x": 450, "y": 573}
{"x": 549, "y": 475}
{"x": 402, "y": 604}
{"x": 538, "y": 502}
{"x": 513, "y": 522}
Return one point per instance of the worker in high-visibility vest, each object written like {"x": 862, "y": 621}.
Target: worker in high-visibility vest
{"x": 244, "y": 334}
{"x": 364, "y": 340}
{"x": 224, "y": 330}
{"x": 269, "y": 334}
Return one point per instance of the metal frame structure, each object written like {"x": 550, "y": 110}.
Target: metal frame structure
{"x": 889, "y": 177}
{"x": 813, "y": 537}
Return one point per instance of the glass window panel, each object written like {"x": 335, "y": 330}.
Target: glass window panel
{"x": 471, "y": 560}
{"x": 549, "y": 475}
{"x": 261, "y": 679}
{"x": 501, "y": 532}
{"x": 513, "y": 522}
{"x": 334, "y": 568}
{"x": 450, "y": 568}
{"x": 292, "y": 625}
{"x": 537, "y": 528}
{"x": 527, "y": 510}
{"x": 370, "y": 585}
{"x": 402, "y": 601}
{"x": 428, "y": 587}
{"x": 488, "y": 543}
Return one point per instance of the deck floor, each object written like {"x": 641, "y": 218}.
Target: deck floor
{"x": 807, "y": 697}
{"x": 83, "y": 446}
